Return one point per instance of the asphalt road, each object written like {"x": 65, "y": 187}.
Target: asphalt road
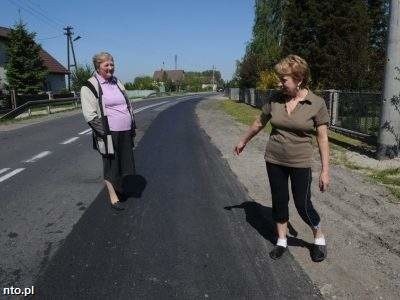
{"x": 190, "y": 230}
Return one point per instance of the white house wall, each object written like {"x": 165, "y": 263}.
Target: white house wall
{"x": 3, "y": 57}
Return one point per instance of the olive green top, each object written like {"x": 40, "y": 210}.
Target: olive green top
{"x": 290, "y": 142}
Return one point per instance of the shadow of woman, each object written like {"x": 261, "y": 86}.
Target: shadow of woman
{"x": 132, "y": 187}
{"x": 260, "y": 218}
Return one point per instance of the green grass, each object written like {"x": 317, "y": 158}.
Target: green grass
{"x": 388, "y": 176}
{"x": 14, "y": 121}
{"x": 339, "y": 144}
{"x": 241, "y": 112}
{"x": 36, "y": 109}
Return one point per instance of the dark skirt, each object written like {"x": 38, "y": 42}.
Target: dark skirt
{"x": 121, "y": 163}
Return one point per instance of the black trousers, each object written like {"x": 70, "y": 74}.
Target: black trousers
{"x": 300, "y": 179}
{"x": 122, "y": 162}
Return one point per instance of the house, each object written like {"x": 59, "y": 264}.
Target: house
{"x": 176, "y": 76}
{"x": 209, "y": 86}
{"x": 55, "y": 80}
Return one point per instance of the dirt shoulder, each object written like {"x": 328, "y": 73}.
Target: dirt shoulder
{"x": 360, "y": 219}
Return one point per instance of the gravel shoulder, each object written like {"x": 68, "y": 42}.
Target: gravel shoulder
{"x": 360, "y": 219}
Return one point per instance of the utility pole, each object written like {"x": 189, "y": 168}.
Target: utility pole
{"x": 389, "y": 129}
{"x": 176, "y": 61}
{"x": 69, "y": 34}
{"x": 213, "y": 79}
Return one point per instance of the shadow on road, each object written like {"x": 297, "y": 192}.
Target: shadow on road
{"x": 260, "y": 218}
{"x": 98, "y": 244}
{"x": 132, "y": 186}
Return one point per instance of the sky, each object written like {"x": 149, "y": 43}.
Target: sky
{"x": 141, "y": 34}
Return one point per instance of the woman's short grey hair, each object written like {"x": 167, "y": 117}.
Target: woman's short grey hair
{"x": 101, "y": 57}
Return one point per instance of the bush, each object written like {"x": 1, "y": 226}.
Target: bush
{"x": 268, "y": 80}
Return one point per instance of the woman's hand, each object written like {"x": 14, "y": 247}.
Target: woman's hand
{"x": 239, "y": 147}
{"x": 324, "y": 180}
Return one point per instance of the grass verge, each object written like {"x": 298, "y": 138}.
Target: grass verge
{"x": 38, "y": 113}
{"x": 339, "y": 145}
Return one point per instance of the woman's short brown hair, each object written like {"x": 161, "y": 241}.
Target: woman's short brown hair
{"x": 294, "y": 66}
{"x": 101, "y": 57}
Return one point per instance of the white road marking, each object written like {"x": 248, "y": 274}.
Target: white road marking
{"x": 11, "y": 174}
{"x": 4, "y": 170}
{"x": 70, "y": 140}
{"x": 165, "y": 106}
{"x": 86, "y": 131}
{"x": 135, "y": 111}
{"x": 37, "y": 157}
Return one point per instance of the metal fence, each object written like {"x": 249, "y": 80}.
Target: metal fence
{"x": 354, "y": 113}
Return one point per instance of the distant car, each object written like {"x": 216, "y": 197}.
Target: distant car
{"x": 220, "y": 90}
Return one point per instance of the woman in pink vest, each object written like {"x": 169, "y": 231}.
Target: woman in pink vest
{"x": 107, "y": 109}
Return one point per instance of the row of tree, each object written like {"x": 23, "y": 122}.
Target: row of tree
{"x": 193, "y": 82}
{"x": 343, "y": 42}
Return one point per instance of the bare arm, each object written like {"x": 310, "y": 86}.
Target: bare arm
{"x": 323, "y": 145}
{"x": 254, "y": 128}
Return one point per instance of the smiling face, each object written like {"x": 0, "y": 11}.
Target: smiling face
{"x": 106, "y": 69}
{"x": 288, "y": 85}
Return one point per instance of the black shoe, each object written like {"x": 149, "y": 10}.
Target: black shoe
{"x": 318, "y": 253}
{"x": 277, "y": 252}
{"x": 117, "y": 206}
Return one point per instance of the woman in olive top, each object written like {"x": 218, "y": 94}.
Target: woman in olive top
{"x": 294, "y": 112}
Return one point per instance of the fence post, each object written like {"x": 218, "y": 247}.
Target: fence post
{"x": 13, "y": 99}
{"x": 334, "y": 106}
{"x": 50, "y": 94}
{"x": 76, "y": 101}
{"x": 252, "y": 97}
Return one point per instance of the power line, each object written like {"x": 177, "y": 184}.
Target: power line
{"x": 52, "y": 37}
{"x": 38, "y": 7}
{"x": 32, "y": 13}
{"x": 43, "y": 15}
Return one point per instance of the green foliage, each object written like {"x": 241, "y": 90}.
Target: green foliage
{"x": 264, "y": 49}
{"x": 194, "y": 80}
{"x": 268, "y": 80}
{"x": 334, "y": 38}
{"x": 267, "y": 31}
{"x": 25, "y": 70}
{"x": 80, "y": 76}
{"x": 130, "y": 86}
{"x": 379, "y": 15}
{"x": 142, "y": 83}
{"x": 343, "y": 41}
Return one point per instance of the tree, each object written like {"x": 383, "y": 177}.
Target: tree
{"x": 248, "y": 71}
{"x": 268, "y": 80}
{"x": 335, "y": 39}
{"x": 264, "y": 49}
{"x": 378, "y": 13}
{"x": 267, "y": 31}
{"x": 25, "y": 70}
{"x": 144, "y": 83}
{"x": 302, "y": 33}
{"x": 80, "y": 76}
